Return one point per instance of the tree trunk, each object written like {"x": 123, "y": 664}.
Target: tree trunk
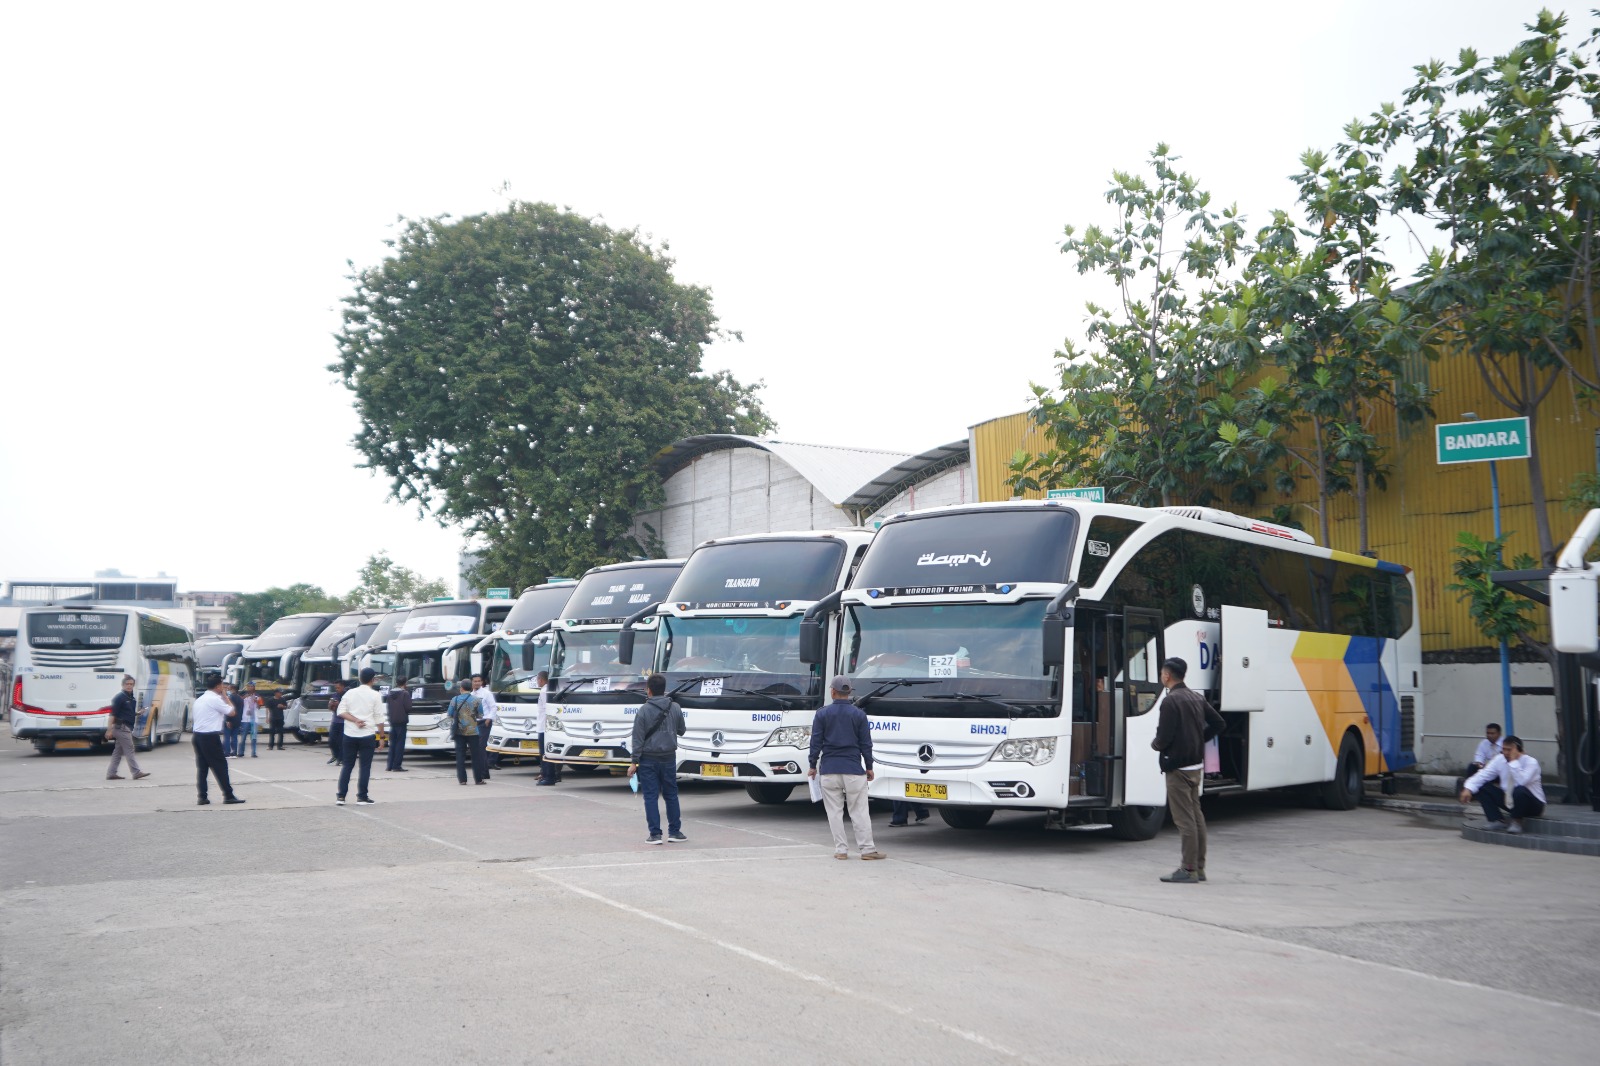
{"x": 1361, "y": 506}
{"x": 1541, "y": 508}
{"x": 1322, "y": 484}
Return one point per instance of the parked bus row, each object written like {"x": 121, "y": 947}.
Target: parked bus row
{"x": 1007, "y": 657}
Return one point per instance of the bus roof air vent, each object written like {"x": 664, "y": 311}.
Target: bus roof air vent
{"x": 1253, "y": 525}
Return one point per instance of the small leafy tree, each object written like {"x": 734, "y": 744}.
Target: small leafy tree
{"x": 253, "y": 612}
{"x": 1499, "y": 614}
{"x": 383, "y": 583}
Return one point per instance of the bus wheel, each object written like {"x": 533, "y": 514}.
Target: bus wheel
{"x": 155, "y": 737}
{"x": 769, "y": 793}
{"x": 44, "y": 747}
{"x": 966, "y": 817}
{"x": 305, "y": 738}
{"x": 1137, "y": 823}
{"x": 1343, "y": 793}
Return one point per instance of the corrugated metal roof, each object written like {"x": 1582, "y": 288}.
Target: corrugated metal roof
{"x": 847, "y": 477}
{"x": 893, "y": 481}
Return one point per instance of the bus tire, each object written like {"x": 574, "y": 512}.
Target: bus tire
{"x": 1343, "y": 793}
{"x": 155, "y": 737}
{"x": 966, "y": 817}
{"x": 773, "y": 794}
{"x": 1137, "y": 823}
{"x": 304, "y": 737}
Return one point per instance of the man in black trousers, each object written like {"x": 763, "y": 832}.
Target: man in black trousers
{"x": 210, "y": 715}
{"x": 335, "y": 724}
{"x": 399, "y": 703}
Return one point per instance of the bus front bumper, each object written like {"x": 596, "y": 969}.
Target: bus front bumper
{"x": 994, "y": 784}
{"x": 775, "y": 764}
{"x": 571, "y": 751}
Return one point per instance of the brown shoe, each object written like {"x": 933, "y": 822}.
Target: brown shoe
{"x": 141, "y": 774}
{"x": 841, "y": 855}
{"x": 115, "y": 777}
{"x": 873, "y": 855}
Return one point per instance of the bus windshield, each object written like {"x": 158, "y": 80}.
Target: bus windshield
{"x": 76, "y": 629}
{"x": 441, "y": 619}
{"x": 388, "y": 629}
{"x": 506, "y": 675}
{"x": 958, "y": 651}
{"x": 619, "y": 593}
{"x": 289, "y": 633}
{"x": 212, "y": 654}
{"x": 338, "y": 629}
{"x": 759, "y": 573}
{"x": 585, "y": 665}
{"x": 756, "y": 654}
{"x": 535, "y": 607}
{"x": 419, "y": 668}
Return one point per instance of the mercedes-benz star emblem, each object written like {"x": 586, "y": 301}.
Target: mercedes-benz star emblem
{"x": 925, "y": 753}
{"x": 597, "y": 728}
{"x": 717, "y": 738}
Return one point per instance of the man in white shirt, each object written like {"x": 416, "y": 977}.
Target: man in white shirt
{"x": 211, "y": 713}
{"x": 547, "y": 769}
{"x": 1488, "y": 747}
{"x": 359, "y": 708}
{"x": 1511, "y": 773}
{"x": 485, "y": 697}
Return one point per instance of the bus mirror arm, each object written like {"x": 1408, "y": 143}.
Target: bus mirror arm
{"x": 812, "y": 645}
{"x": 626, "y": 637}
{"x": 1057, "y": 617}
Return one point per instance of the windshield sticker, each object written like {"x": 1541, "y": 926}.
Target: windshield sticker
{"x": 742, "y": 583}
{"x": 601, "y": 684}
{"x": 941, "y": 666}
{"x": 943, "y": 590}
{"x": 445, "y": 624}
{"x": 711, "y": 686}
{"x": 930, "y": 559}
{"x": 639, "y": 597}
{"x": 602, "y": 601}
{"x": 1099, "y": 548}
{"x": 1199, "y": 595}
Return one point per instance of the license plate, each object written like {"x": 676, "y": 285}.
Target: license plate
{"x": 322, "y": 729}
{"x": 65, "y": 722}
{"x": 529, "y": 745}
{"x": 419, "y": 741}
{"x": 716, "y": 769}
{"x": 922, "y": 791}
{"x": 593, "y": 753}
{"x": 74, "y": 744}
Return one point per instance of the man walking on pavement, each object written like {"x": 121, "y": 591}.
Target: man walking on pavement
{"x": 547, "y": 769}
{"x": 1186, "y": 722}
{"x": 335, "y": 724}
{"x": 232, "y": 747}
{"x": 485, "y": 694}
{"x": 248, "y": 718}
{"x": 124, "y": 713}
{"x": 656, "y": 729}
{"x": 841, "y": 751}
{"x": 275, "y": 709}
{"x": 399, "y": 703}
{"x": 211, "y": 712}
{"x": 359, "y": 708}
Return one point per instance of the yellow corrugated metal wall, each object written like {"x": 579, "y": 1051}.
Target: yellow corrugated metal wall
{"x": 1415, "y": 522}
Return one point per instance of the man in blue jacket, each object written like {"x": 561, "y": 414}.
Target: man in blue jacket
{"x": 841, "y": 750}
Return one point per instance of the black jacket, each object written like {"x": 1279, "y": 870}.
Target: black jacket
{"x": 399, "y": 701}
{"x": 656, "y": 729}
{"x": 1187, "y": 722}
{"x": 124, "y": 709}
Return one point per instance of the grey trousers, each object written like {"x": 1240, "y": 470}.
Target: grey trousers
{"x": 1183, "y": 799}
{"x": 122, "y": 741}
{"x": 847, "y": 790}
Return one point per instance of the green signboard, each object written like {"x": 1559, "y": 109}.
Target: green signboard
{"x": 1093, "y": 494}
{"x": 1477, "y": 442}
{"x": 497, "y": 594}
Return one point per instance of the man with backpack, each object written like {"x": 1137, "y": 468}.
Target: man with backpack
{"x": 656, "y": 729}
{"x": 466, "y": 717}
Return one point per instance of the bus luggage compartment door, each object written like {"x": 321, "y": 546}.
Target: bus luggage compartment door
{"x": 1244, "y": 660}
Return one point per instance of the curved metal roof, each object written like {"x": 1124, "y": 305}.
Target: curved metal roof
{"x": 857, "y": 478}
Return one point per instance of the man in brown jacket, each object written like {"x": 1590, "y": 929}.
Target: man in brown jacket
{"x": 1187, "y": 721}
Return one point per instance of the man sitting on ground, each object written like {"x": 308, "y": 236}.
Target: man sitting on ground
{"x": 1488, "y": 748}
{"x": 1511, "y": 773}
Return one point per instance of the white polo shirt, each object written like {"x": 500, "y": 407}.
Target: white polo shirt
{"x": 486, "y": 699}
{"x": 1487, "y": 750}
{"x": 543, "y": 718}
{"x": 211, "y": 712}
{"x": 364, "y": 703}
{"x": 1524, "y": 772}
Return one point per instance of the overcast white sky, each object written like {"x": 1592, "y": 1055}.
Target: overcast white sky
{"x": 874, "y": 193}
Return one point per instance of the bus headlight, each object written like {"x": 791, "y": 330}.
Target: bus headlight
{"x": 1035, "y": 750}
{"x": 790, "y": 736}
{"x": 552, "y": 724}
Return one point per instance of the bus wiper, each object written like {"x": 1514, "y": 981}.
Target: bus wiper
{"x": 890, "y": 686}
{"x": 981, "y": 697}
{"x": 570, "y": 685}
{"x": 781, "y": 701}
{"x": 678, "y": 690}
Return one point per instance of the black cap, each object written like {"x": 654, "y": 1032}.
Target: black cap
{"x": 1178, "y": 667}
{"x": 367, "y": 674}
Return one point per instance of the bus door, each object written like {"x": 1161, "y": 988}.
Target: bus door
{"x": 1140, "y": 654}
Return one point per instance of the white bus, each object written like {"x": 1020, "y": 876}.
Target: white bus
{"x": 323, "y": 663}
{"x": 374, "y": 652}
{"x": 433, "y": 654}
{"x": 70, "y": 661}
{"x": 595, "y": 694}
{"x": 217, "y": 655}
{"x": 1008, "y": 656}
{"x": 512, "y": 658}
{"x": 729, "y": 645}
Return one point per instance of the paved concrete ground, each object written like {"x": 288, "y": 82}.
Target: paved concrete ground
{"x": 509, "y": 923}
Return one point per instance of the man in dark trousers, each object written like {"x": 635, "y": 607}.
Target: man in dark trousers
{"x": 232, "y": 746}
{"x": 124, "y": 713}
{"x": 335, "y": 724}
{"x": 1186, "y": 722}
{"x": 275, "y": 708}
{"x": 211, "y": 712}
{"x": 398, "y": 701}
{"x": 548, "y": 773}
{"x": 656, "y": 729}
{"x": 841, "y": 752}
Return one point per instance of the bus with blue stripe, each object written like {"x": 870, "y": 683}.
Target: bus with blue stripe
{"x": 1008, "y": 658}
{"x": 70, "y": 661}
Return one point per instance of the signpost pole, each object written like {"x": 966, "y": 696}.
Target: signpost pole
{"x": 1505, "y": 653}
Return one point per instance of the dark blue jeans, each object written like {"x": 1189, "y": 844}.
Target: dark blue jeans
{"x": 659, "y": 777}
{"x": 357, "y": 749}
{"x": 900, "y": 810}
{"x": 397, "y": 744}
{"x": 547, "y": 769}
{"x": 230, "y": 741}
{"x": 1523, "y": 802}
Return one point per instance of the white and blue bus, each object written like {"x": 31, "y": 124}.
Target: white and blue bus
{"x": 1008, "y": 657}
{"x": 70, "y": 661}
{"x": 729, "y": 646}
{"x": 511, "y": 660}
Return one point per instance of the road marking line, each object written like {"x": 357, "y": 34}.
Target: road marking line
{"x": 687, "y": 862}
{"x": 783, "y": 967}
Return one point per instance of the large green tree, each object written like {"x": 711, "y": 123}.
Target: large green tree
{"x": 516, "y": 372}
{"x": 384, "y": 583}
{"x": 253, "y": 612}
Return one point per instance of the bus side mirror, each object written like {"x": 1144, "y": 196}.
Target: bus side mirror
{"x": 625, "y": 641}
{"x": 527, "y": 655}
{"x": 1055, "y": 640}
{"x": 812, "y": 647}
